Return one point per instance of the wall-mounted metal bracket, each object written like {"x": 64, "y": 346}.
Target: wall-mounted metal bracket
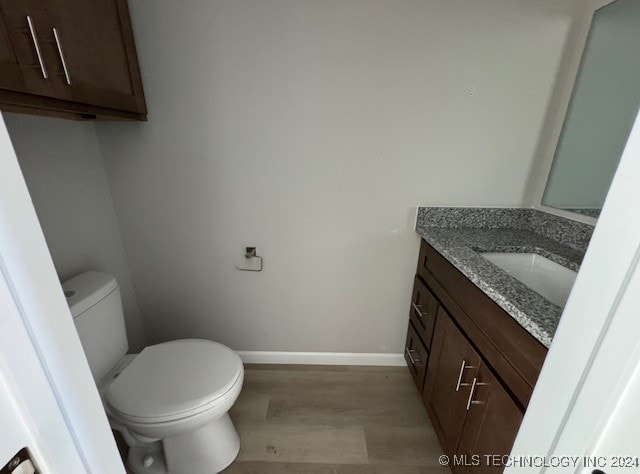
{"x": 249, "y": 254}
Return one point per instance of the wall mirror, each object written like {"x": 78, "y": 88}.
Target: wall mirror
{"x": 603, "y": 106}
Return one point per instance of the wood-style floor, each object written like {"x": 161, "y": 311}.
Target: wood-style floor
{"x": 311, "y": 419}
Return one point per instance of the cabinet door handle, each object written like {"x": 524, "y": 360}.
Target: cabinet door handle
{"x": 463, "y": 367}
{"x": 416, "y": 308}
{"x": 470, "y": 400}
{"x": 473, "y": 389}
{"x": 410, "y": 355}
{"x": 36, "y": 45}
{"x": 61, "y": 54}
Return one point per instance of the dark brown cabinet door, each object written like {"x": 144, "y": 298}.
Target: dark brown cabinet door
{"x": 10, "y": 70}
{"x": 453, "y": 364}
{"x": 90, "y": 45}
{"x": 416, "y": 356}
{"x": 492, "y": 422}
{"x": 22, "y": 65}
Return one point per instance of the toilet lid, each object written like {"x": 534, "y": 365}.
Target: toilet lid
{"x": 174, "y": 378}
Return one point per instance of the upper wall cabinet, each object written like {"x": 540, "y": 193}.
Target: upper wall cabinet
{"x": 69, "y": 58}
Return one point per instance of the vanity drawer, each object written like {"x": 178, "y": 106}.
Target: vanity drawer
{"x": 423, "y": 259}
{"x": 416, "y": 355}
{"x": 424, "y": 306}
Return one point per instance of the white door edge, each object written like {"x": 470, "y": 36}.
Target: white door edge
{"x": 42, "y": 313}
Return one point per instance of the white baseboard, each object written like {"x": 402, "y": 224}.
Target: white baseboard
{"x": 321, "y": 358}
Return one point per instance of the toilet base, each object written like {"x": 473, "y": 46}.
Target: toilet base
{"x": 146, "y": 460}
{"x": 207, "y": 450}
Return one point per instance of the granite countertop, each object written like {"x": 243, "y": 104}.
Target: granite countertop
{"x": 461, "y": 247}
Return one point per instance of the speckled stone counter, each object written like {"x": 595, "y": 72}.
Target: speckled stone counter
{"x": 461, "y": 247}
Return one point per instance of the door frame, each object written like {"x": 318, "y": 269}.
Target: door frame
{"x": 65, "y": 417}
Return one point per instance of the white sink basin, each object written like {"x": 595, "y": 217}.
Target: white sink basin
{"x": 549, "y": 279}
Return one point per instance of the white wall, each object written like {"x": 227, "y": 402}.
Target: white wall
{"x": 312, "y": 130}
{"x": 63, "y": 168}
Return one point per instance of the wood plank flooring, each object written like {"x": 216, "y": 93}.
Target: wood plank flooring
{"x": 332, "y": 419}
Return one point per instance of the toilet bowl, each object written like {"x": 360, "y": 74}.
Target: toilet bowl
{"x": 177, "y": 393}
{"x": 170, "y": 401}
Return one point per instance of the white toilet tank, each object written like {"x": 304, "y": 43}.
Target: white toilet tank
{"x": 96, "y": 307}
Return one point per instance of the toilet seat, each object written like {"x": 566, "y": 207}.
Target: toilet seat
{"x": 174, "y": 380}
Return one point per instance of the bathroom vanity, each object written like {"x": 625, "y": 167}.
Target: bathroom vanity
{"x": 477, "y": 336}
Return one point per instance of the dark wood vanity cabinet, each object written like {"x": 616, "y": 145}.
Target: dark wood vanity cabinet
{"x": 453, "y": 365}
{"x": 492, "y": 422}
{"x": 69, "y": 58}
{"x": 481, "y": 365}
{"x": 471, "y": 411}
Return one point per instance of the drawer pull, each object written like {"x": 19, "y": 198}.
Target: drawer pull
{"x": 416, "y": 308}
{"x": 410, "y": 355}
{"x": 36, "y": 45}
{"x": 473, "y": 388}
{"x": 470, "y": 400}
{"x": 61, "y": 54}
{"x": 462, "y": 369}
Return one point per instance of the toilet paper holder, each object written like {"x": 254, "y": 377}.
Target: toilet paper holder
{"x": 250, "y": 253}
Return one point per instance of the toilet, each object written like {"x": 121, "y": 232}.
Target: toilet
{"x": 170, "y": 401}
